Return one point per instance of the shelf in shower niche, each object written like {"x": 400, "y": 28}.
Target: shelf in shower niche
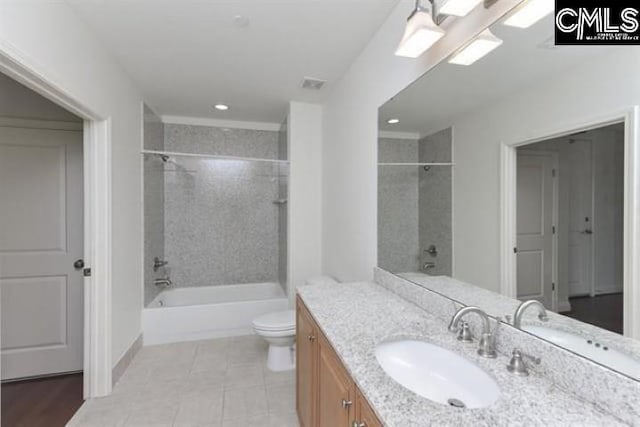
{"x": 415, "y": 164}
{"x": 212, "y": 156}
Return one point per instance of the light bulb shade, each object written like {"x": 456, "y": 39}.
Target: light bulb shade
{"x": 419, "y": 35}
{"x": 458, "y": 7}
{"x": 484, "y": 43}
{"x": 529, "y": 12}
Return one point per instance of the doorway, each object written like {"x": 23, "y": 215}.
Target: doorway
{"x": 41, "y": 255}
{"x": 569, "y": 220}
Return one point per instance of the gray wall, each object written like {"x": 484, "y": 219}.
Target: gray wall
{"x": 153, "y": 202}
{"x": 414, "y": 205}
{"x": 221, "y": 225}
{"x": 435, "y": 201}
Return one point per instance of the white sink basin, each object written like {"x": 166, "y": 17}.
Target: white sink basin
{"x": 437, "y": 374}
{"x": 589, "y": 348}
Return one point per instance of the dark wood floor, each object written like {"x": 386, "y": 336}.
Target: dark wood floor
{"x": 604, "y": 311}
{"x": 46, "y": 402}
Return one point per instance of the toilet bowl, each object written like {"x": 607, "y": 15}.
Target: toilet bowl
{"x": 279, "y": 331}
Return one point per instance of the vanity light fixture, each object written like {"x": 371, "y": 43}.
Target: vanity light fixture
{"x": 393, "y": 121}
{"x": 420, "y": 33}
{"x": 458, "y": 7}
{"x": 221, "y": 107}
{"x": 484, "y": 43}
{"x": 529, "y": 12}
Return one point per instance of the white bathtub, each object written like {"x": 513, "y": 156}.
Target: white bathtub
{"x": 187, "y": 314}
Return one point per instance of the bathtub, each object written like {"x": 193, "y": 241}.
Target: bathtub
{"x": 204, "y": 312}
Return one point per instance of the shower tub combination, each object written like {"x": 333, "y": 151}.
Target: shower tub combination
{"x": 205, "y": 312}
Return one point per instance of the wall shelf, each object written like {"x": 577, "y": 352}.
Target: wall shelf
{"x": 212, "y": 156}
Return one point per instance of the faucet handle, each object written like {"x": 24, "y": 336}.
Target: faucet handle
{"x": 464, "y": 333}
{"x": 517, "y": 364}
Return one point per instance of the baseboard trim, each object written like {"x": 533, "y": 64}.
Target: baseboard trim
{"x": 126, "y": 359}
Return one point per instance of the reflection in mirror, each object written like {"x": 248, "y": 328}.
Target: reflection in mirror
{"x": 414, "y": 203}
{"x": 563, "y": 177}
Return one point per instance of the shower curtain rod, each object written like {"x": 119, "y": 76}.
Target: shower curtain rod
{"x": 212, "y": 156}
{"x": 416, "y": 164}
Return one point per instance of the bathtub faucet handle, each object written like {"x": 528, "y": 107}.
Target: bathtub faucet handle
{"x": 163, "y": 282}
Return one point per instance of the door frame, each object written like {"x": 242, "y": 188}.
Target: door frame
{"x": 97, "y": 214}
{"x": 554, "y": 219}
{"x": 508, "y": 162}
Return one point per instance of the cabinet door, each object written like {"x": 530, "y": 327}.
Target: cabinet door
{"x": 306, "y": 366}
{"x": 365, "y": 416}
{"x": 336, "y": 390}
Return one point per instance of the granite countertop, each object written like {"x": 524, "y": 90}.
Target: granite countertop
{"x": 355, "y": 317}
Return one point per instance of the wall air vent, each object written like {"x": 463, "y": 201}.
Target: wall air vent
{"x": 312, "y": 84}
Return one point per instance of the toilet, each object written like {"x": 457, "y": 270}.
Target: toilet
{"x": 279, "y": 330}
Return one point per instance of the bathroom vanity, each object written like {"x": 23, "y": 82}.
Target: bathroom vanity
{"x": 326, "y": 394}
{"x": 341, "y": 380}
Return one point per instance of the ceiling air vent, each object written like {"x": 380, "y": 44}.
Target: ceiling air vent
{"x": 312, "y": 84}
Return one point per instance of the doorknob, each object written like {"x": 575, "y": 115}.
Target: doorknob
{"x": 78, "y": 264}
{"x": 587, "y": 231}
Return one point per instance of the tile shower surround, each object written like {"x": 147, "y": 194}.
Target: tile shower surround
{"x": 435, "y": 200}
{"x": 414, "y": 205}
{"x": 153, "y": 202}
{"x": 221, "y": 225}
{"x": 399, "y": 245}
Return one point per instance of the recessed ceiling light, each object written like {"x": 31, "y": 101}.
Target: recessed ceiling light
{"x": 393, "y": 121}
{"x": 529, "y": 12}
{"x": 479, "y": 47}
{"x": 221, "y": 107}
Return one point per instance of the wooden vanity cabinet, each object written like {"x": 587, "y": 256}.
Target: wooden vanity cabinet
{"x": 306, "y": 366}
{"x": 326, "y": 395}
{"x": 365, "y": 417}
{"x": 336, "y": 390}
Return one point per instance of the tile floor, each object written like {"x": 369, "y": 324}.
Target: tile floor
{"x": 222, "y": 382}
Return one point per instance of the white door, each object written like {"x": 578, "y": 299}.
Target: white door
{"x": 535, "y": 199}
{"x": 580, "y": 218}
{"x": 41, "y": 235}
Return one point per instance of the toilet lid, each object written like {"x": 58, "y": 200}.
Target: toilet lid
{"x": 278, "y": 321}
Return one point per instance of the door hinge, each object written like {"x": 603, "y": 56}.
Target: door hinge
{"x": 553, "y": 229}
{"x": 553, "y": 173}
{"x": 515, "y": 250}
{"x": 86, "y": 272}
{"x": 553, "y": 286}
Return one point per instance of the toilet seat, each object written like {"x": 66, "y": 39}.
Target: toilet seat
{"x": 278, "y": 322}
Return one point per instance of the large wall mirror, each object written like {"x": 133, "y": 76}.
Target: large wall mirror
{"x": 518, "y": 174}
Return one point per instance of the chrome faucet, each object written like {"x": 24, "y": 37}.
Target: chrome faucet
{"x": 487, "y": 346}
{"x": 517, "y": 364}
{"x": 163, "y": 282}
{"x": 542, "y": 312}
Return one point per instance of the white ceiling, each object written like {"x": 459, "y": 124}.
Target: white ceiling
{"x": 186, "y": 55}
{"x": 526, "y": 57}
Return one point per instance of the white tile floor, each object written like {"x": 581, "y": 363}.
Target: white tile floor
{"x": 223, "y": 382}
